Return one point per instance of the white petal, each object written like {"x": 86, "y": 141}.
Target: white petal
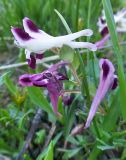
{"x": 27, "y": 53}
{"x": 73, "y": 36}
{"x": 32, "y": 29}
{"x": 88, "y": 45}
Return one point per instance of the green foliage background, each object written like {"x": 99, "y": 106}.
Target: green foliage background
{"x": 18, "y": 105}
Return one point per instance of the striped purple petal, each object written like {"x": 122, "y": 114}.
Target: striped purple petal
{"x": 32, "y": 62}
{"x": 107, "y": 81}
{"x": 25, "y": 80}
{"x": 20, "y": 35}
{"x": 30, "y": 25}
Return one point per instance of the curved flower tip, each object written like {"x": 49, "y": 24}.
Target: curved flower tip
{"x": 24, "y": 80}
{"x": 102, "y": 42}
{"x": 108, "y": 80}
{"x": 29, "y": 26}
{"x": 87, "y": 32}
{"x": 87, "y": 45}
{"x": 20, "y": 35}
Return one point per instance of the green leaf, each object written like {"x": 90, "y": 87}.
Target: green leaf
{"x": 107, "y": 147}
{"x": 38, "y": 98}
{"x": 112, "y": 30}
{"x": 70, "y": 153}
{"x": 10, "y": 85}
{"x": 20, "y": 123}
{"x": 110, "y": 119}
{"x": 67, "y": 53}
{"x": 63, "y": 21}
{"x": 40, "y": 136}
{"x": 42, "y": 155}
{"x": 2, "y": 78}
{"x": 49, "y": 155}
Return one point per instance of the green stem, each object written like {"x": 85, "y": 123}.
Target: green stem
{"x": 114, "y": 37}
{"x": 96, "y": 129}
{"x": 85, "y": 88}
{"x": 74, "y": 73}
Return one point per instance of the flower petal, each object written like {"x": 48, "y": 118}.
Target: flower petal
{"x": 87, "y": 45}
{"x": 32, "y": 29}
{"x": 39, "y": 55}
{"x": 29, "y": 26}
{"x": 102, "y": 42}
{"x": 115, "y": 83}
{"x": 32, "y": 62}
{"x": 56, "y": 66}
{"x": 73, "y": 36}
{"x": 42, "y": 83}
{"x": 25, "y": 80}
{"x": 20, "y": 35}
{"x": 54, "y": 96}
{"x": 60, "y": 76}
{"x": 106, "y": 80}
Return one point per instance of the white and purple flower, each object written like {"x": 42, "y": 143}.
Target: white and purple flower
{"x": 120, "y": 20}
{"x": 108, "y": 80}
{"x": 50, "y": 79}
{"x": 37, "y": 41}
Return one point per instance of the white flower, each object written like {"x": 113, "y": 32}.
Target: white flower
{"x": 37, "y": 41}
{"x": 120, "y": 20}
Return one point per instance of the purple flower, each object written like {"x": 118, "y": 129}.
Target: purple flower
{"x": 37, "y": 41}
{"x": 120, "y": 21}
{"x": 50, "y": 79}
{"x": 108, "y": 80}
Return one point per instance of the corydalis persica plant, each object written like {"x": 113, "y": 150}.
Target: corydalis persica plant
{"x": 50, "y": 79}
{"x": 120, "y": 20}
{"x": 108, "y": 80}
{"x": 37, "y": 41}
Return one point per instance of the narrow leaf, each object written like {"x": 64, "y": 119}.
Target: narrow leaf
{"x": 112, "y": 30}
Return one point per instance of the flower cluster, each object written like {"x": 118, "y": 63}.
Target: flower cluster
{"x": 36, "y": 42}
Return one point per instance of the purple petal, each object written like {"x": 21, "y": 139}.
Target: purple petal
{"x": 56, "y": 66}
{"x": 47, "y": 74}
{"x": 67, "y": 100}
{"x": 115, "y": 83}
{"x": 42, "y": 83}
{"x": 102, "y": 20}
{"x": 105, "y": 68}
{"x": 104, "y": 31}
{"x": 106, "y": 80}
{"x": 60, "y": 76}
{"x": 102, "y": 42}
{"x": 32, "y": 62}
{"x": 39, "y": 56}
{"x": 30, "y": 25}
{"x": 54, "y": 96}
{"x": 20, "y": 34}
{"x": 25, "y": 80}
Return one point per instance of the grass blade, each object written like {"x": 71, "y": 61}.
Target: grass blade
{"x": 112, "y": 30}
